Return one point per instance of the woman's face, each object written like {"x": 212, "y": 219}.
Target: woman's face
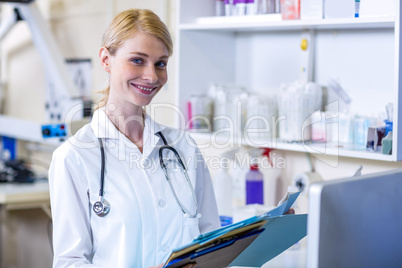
{"x": 137, "y": 71}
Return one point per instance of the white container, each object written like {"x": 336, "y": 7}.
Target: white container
{"x": 229, "y": 108}
{"x": 267, "y": 6}
{"x": 311, "y": 9}
{"x": 334, "y": 9}
{"x": 223, "y": 185}
{"x": 346, "y": 132}
{"x": 261, "y": 114}
{"x": 360, "y": 128}
{"x": 219, "y": 8}
{"x": 241, "y": 7}
{"x": 271, "y": 185}
{"x": 239, "y": 186}
{"x": 200, "y": 110}
{"x": 229, "y": 7}
{"x": 375, "y": 8}
{"x": 251, "y": 7}
{"x": 296, "y": 104}
{"x": 319, "y": 127}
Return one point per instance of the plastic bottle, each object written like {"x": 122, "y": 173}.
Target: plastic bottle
{"x": 219, "y": 8}
{"x": 223, "y": 194}
{"x": 254, "y": 186}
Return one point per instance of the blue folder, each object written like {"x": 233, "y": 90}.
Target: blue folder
{"x": 251, "y": 242}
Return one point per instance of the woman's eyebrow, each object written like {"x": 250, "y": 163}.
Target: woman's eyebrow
{"x": 140, "y": 54}
{"x": 146, "y": 55}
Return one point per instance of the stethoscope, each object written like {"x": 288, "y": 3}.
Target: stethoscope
{"x": 102, "y": 206}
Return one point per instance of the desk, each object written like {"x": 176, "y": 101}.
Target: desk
{"x": 15, "y": 197}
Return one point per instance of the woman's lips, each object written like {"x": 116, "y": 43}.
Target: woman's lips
{"x": 145, "y": 89}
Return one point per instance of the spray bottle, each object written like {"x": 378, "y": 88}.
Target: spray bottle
{"x": 255, "y": 187}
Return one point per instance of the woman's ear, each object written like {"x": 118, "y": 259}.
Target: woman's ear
{"x": 104, "y": 56}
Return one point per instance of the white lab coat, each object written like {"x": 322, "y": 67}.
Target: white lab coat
{"x": 145, "y": 223}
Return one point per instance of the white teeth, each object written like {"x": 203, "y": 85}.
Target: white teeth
{"x": 144, "y": 88}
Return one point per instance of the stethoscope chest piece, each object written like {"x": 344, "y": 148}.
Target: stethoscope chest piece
{"x": 101, "y": 207}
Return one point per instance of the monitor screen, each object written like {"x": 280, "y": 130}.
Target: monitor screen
{"x": 356, "y": 222}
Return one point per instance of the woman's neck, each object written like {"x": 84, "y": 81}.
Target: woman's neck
{"x": 128, "y": 120}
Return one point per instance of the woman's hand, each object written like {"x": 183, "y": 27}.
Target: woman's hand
{"x": 290, "y": 211}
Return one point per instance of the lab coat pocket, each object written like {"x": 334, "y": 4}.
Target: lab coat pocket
{"x": 190, "y": 229}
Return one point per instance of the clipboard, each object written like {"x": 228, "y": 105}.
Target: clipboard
{"x": 251, "y": 242}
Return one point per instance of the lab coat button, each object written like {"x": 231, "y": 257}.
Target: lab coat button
{"x": 165, "y": 248}
{"x": 162, "y": 203}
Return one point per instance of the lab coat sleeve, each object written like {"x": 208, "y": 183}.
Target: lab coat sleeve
{"x": 205, "y": 195}
{"x": 72, "y": 239}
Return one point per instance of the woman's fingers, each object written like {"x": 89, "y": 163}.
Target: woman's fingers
{"x": 290, "y": 211}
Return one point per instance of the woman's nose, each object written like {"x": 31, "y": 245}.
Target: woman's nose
{"x": 150, "y": 74}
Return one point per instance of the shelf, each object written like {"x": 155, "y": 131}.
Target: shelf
{"x": 314, "y": 148}
{"x": 343, "y": 49}
{"x": 273, "y": 22}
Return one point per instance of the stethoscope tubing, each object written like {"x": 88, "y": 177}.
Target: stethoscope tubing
{"x": 106, "y": 206}
{"x": 184, "y": 170}
{"x": 102, "y": 179}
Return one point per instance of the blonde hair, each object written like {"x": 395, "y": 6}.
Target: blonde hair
{"x": 122, "y": 28}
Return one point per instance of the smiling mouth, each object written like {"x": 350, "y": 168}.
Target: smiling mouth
{"x": 148, "y": 89}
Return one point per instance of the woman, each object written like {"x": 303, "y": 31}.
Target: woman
{"x": 145, "y": 221}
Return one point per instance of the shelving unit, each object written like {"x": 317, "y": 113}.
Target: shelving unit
{"x": 314, "y": 148}
{"x": 273, "y": 23}
{"x": 261, "y": 52}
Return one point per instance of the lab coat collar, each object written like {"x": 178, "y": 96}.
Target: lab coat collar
{"x": 104, "y": 128}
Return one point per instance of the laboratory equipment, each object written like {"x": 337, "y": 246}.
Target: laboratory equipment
{"x": 261, "y": 114}
{"x": 200, "y": 111}
{"x": 296, "y": 103}
{"x": 54, "y": 64}
{"x": 54, "y": 130}
{"x": 229, "y": 107}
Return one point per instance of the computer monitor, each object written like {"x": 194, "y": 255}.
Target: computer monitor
{"x": 356, "y": 222}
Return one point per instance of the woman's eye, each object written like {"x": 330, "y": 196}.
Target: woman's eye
{"x": 137, "y": 61}
{"x": 161, "y": 64}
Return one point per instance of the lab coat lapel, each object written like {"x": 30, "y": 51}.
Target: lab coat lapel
{"x": 102, "y": 126}
{"x": 151, "y": 140}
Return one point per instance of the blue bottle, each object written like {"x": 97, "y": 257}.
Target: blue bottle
{"x": 254, "y": 186}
